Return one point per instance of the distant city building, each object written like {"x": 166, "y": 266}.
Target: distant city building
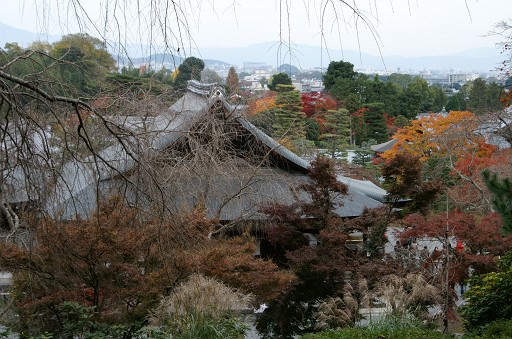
{"x": 298, "y": 86}
{"x": 312, "y": 85}
{"x": 251, "y": 67}
{"x": 462, "y": 78}
{"x": 250, "y": 83}
{"x": 436, "y": 79}
{"x": 261, "y": 73}
{"x": 457, "y": 78}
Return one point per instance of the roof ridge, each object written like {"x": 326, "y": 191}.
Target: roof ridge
{"x": 208, "y": 90}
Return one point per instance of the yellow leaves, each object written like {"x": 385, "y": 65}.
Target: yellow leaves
{"x": 265, "y": 104}
{"x": 174, "y": 74}
{"x": 437, "y": 135}
{"x": 262, "y": 105}
{"x": 286, "y": 142}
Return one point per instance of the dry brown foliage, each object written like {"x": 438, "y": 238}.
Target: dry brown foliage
{"x": 199, "y": 295}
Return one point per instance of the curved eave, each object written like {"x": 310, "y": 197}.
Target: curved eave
{"x": 365, "y": 187}
{"x": 385, "y": 146}
{"x": 300, "y": 164}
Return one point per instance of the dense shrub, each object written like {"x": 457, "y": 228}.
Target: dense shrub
{"x": 488, "y": 299}
{"x": 499, "y": 329}
{"x": 388, "y": 333}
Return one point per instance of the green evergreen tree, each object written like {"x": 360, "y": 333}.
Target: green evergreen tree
{"x": 190, "y": 69}
{"x": 279, "y": 79}
{"x": 488, "y": 302}
{"x": 374, "y": 119}
{"x": 359, "y": 128}
{"x": 312, "y": 129}
{"x": 337, "y": 130}
{"x": 401, "y": 121}
{"x": 456, "y": 102}
{"x": 85, "y": 62}
{"x": 502, "y": 197}
{"x": 483, "y": 97}
{"x": 351, "y": 93}
{"x": 403, "y": 80}
{"x": 386, "y": 92}
{"x": 494, "y": 92}
{"x": 364, "y": 155}
{"x": 477, "y": 100}
{"x": 438, "y": 98}
{"x": 338, "y": 70}
{"x": 289, "y": 120}
{"x": 415, "y": 99}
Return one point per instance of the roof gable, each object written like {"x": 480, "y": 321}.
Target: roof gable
{"x": 76, "y": 189}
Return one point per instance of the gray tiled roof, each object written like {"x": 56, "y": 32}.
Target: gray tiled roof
{"x": 234, "y": 196}
{"x": 80, "y": 181}
{"x": 385, "y": 146}
{"x": 273, "y": 144}
{"x": 365, "y": 187}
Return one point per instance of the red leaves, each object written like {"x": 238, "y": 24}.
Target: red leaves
{"x": 232, "y": 261}
{"x": 315, "y": 102}
{"x": 481, "y": 235}
{"x": 116, "y": 262}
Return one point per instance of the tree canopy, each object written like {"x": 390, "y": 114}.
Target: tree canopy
{"x": 502, "y": 197}
{"x": 438, "y": 135}
{"x": 279, "y": 79}
{"x": 338, "y": 70}
{"x": 189, "y": 69}
{"x": 232, "y": 81}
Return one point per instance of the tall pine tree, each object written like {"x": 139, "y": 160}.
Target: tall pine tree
{"x": 337, "y": 129}
{"x": 502, "y": 197}
{"x": 289, "y": 120}
{"x": 374, "y": 119}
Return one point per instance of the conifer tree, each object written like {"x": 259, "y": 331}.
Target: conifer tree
{"x": 279, "y": 79}
{"x": 502, "y": 197}
{"x": 190, "y": 69}
{"x": 374, "y": 119}
{"x": 232, "y": 81}
{"x": 289, "y": 118}
{"x": 337, "y": 129}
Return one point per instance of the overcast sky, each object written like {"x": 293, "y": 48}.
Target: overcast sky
{"x": 404, "y": 27}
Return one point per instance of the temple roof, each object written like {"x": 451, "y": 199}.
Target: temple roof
{"x": 75, "y": 191}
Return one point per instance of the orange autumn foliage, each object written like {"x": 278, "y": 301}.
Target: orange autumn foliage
{"x": 470, "y": 191}
{"x": 261, "y": 104}
{"x": 446, "y": 136}
{"x": 506, "y": 99}
{"x": 232, "y": 261}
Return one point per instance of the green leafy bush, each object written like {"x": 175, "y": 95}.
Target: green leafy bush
{"x": 488, "y": 299}
{"x": 499, "y": 329}
{"x": 372, "y": 333}
{"x": 390, "y": 327}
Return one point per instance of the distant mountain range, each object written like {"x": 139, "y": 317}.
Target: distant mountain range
{"x": 22, "y": 37}
{"x": 165, "y": 59}
{"x": 303, "y": 56}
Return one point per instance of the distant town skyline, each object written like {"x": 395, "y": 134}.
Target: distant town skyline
{"x": 406, "y": 28}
